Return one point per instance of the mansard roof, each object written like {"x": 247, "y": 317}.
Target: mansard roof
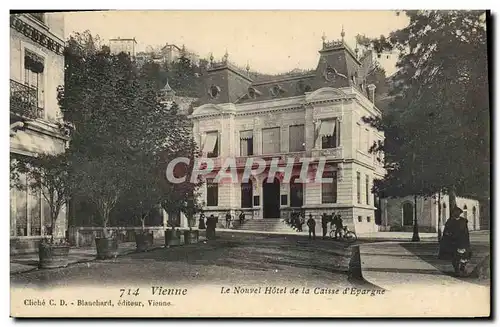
{"x": 339, "y": 66}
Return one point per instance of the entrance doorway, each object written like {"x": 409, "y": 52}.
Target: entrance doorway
{"x": 271, "y": 199}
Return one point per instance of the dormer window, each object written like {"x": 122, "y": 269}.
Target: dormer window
{"x": 276, "y": 90}
{"x": 214, "y": 91}
{"x": 251, "y": 93}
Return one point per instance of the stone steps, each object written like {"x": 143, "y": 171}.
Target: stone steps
{"x": 267, "y": 225}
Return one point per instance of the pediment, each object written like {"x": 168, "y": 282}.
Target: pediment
{"x": 325, "y": 93}
{"x": 207, "y": 109}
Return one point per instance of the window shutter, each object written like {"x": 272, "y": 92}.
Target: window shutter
{"x": 271, "y": 140}
{"x": 296, "y": 137}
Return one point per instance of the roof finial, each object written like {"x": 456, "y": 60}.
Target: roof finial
{"x": 342, "y": 34}
{"x": 211, "y": 57}
{"x": 356, "y": 50}
{"x": 323, "y": 38}
{"x": 226, "y": 55}
{"x": 248, "y": 68}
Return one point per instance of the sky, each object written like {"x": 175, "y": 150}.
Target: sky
{"x": 270, "y": 42}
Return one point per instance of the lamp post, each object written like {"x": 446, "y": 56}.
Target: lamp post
{"x": 439, "y": 217}
{"x": 415, "y": 237}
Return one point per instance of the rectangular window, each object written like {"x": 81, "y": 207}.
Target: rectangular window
{"x": 21, "y": 209}
{"x": 329, "y": 190}
{"x": 271, "y": 140}
{"x": 360, "y": 219}
{"x": 296, "y": 138}
{"x": 367, "y": 189}
{"x": 368, "y": 219}
{"x": 367, "y": 140}
{"x": 246, "y": 143}
{"x": 35, "y": 211}
{"x": 329, "y": 133}
{"x": 212, "y": 193}
{"x": 360, "y": 136}
{"x": 246, "y": 195}
{"x": 33, "y": 77}
{"x": 358, "y": 186}
{"x": 211, "y": 145}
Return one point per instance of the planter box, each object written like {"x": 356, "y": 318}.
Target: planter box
{"x": 107, "y": 248}
{"x": 172, "y": 238}
{"x": 143, "y": 241}
{"x": 52, "y": 256}
{"x": 191, "y": 236}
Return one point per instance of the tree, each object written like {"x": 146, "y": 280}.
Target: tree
{"x": 183, "y": 76}
{"x": 179, "y": 197}
{"x": 122, "y": 134}
{"x": 50, "y": 174}
{"x": 437, "y": 128}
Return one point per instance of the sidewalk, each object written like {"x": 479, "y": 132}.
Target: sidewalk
{"x": 396, "y": 265}
{"x": 378, "y": 236}
{"x": 27, "y": 262}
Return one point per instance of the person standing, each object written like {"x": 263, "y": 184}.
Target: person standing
{"x": 301, "y": 222}
{"x": 201, "y": 223}
{"x": 228, "y": 219}
{"x": 242, "y": 217}
{"x": 211, "y": 227}
{"x": 455, "y": 235}
{"x": 324, "y": 224}
{"x": 311, "y": 223}
{"x": 337, "y": 221}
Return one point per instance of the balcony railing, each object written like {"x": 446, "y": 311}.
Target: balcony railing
{"x": 24, "y": 100}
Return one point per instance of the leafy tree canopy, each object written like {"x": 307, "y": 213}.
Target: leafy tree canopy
{"x": 437, "y": 127}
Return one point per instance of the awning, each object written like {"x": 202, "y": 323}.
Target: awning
{"x": 327, "y": 128}
{"x": 210, "y": 142}
{"x": 33, "y": 62}
{"x": 246, "y": 135}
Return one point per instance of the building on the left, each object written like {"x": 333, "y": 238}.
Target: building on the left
{"x": 36, "y": 124}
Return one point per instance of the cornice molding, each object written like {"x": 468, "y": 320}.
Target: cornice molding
{"x": 43, "y": 38}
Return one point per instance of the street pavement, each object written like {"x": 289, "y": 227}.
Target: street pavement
{"x": 247, "y": 258}
{"x": 253, "y": 259}
{"x": 392, "y": 265}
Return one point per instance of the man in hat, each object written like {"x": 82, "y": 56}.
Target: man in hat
{"x": 455, "y": 235}
{"x": 311, "y": 223}
{"x": 324, "y": 224}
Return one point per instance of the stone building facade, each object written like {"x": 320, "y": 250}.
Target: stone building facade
{"x": 36, "y": 71}
{"x": 125, "y": 45}
{"x": 398, "y": 214}
{"x": 301, "y": 116}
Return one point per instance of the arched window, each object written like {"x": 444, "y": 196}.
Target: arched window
{"x": 443, "y": 212}
{"x": 246, "y": 194}
{"x": 296, "y": 193}
{"x": 407, "y": 214}
{"x": 465, "y": 211}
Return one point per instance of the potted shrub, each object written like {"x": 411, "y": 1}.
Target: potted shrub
{"x": 102, "y": 180}
{"x": 191, "y": 236}
{"x": 144, "y": 197}
{"x": 143, "y": 239}
{"x": 172, "y": 236}
{"x": 50, "y": 175}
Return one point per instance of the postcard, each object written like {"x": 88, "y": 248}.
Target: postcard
{"x": 250, "y": 164}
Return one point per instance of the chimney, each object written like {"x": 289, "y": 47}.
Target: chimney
{"x": 371, "y": 92}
